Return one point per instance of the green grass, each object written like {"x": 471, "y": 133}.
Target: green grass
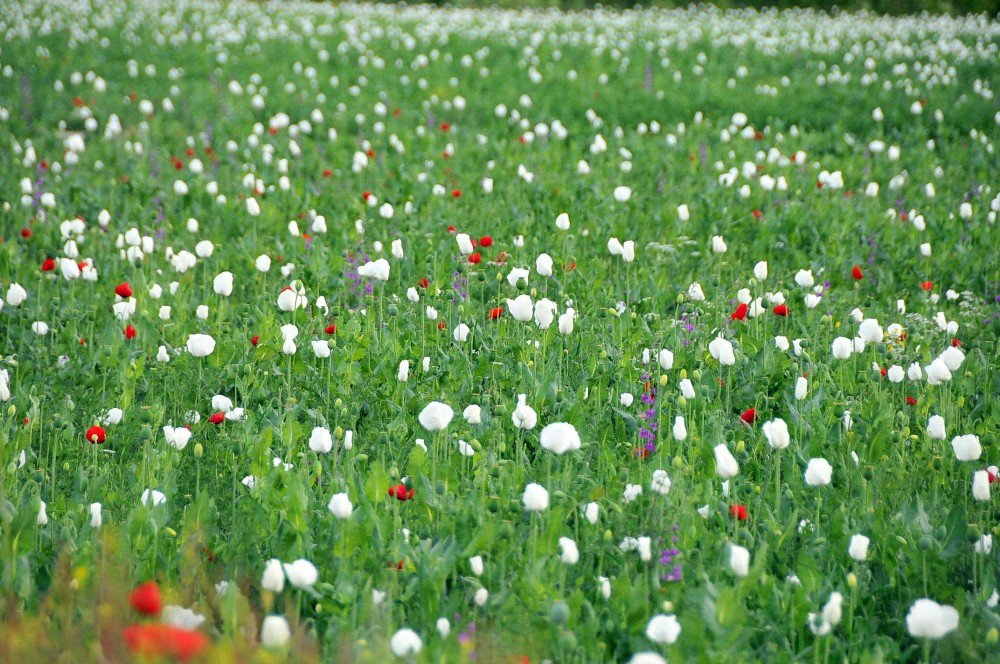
{"x": 64, "y": 583}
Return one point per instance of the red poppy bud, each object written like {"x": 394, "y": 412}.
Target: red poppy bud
{"x": 145, "y": 599}
{"x": 955, "y": 342}
{"x": 254, "y": 340}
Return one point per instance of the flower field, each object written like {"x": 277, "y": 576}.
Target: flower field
{"x": 361, "y": 333}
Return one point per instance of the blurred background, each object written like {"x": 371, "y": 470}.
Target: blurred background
{"x": 894, "y": 7}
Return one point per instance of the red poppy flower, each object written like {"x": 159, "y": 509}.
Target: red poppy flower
{"x": 331, "y": 328}
{"x": 129, "y": 332}
{"x": 48, "y": 264}
{"x": 739, "y": 511}
{"x": 366, "y": 195}
{"x": 456, "y": 193}
{"x": 327, "y": 172}
{"x": 640, "y": 452}
{"x": 401, "y": 492}
{"x": 495, "y": 313}
{"x": 398, "y": 566}
{"x": 423, "y": 283}
{"x": 217, "y": 418}
{"x": 96, "y": 434}
{"x": 26, "y": 233}
{"x": 441, "y": 325}
{"x": 123, "y": 290}
{"x": 452, "y": 229}
{"x": 757, "y": 214}
{"x": 910, "y": 401}
{"x": 371, "y": 152}
{"x": 78, "y": 101}
{"x": 254, "y": 340}
{"x": 781, "y": 310}
{"x": 486, "y": 241}
{"x": 158, "y": 641}
{"x": 993, "y": 476}
{"x": 857, "y": 274}
{"x": 955, "y": 342}
{"x": 445, "y": 126}
{"x": 883, "y": 371}
{"x": 145, "y": 599}
{"x": 927, "y": 285}
{"x": 749, "y": 415}
{"x": 475, "y": 258}
{"x": 740, "y": 313}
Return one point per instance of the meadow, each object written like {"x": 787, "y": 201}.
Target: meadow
{"x": 369, "y": 333}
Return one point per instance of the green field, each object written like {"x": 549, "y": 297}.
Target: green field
{"x": 365, "y": 332}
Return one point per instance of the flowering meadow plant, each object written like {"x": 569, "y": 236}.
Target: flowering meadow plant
{"x": 398, "y": 333}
